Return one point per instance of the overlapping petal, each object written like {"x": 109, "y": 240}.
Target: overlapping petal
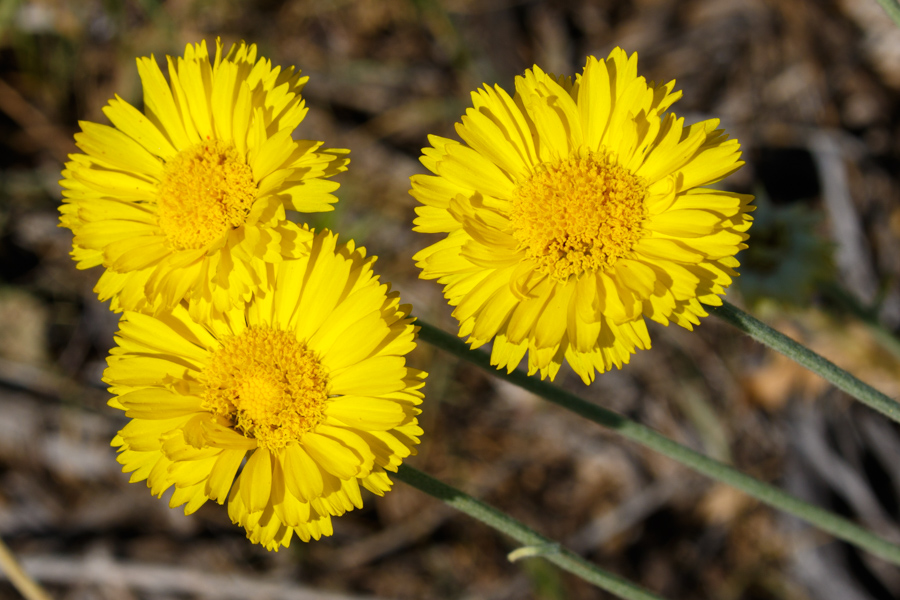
{"x": 575, "y": 287}
{"x": 166, "y": 370}
{"x": 126, "y": 202}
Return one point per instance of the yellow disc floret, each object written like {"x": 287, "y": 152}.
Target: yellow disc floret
{"x": 206, "y": 190}
{"x": 268, "y": 385}
{"x": 578, "y": 215}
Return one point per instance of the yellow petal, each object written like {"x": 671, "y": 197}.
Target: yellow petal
{"x": 366, "y": 412}
{"x": 371, "y": 377}
{"x": 256, "y": 480}
{"x": 332, "y": 455}
{"x": 302, "y": 475}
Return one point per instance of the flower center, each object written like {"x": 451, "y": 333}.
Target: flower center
{"x": 205, "y": 190}
{"x": 268, "y": 384}
{"x": 580, "y": 214}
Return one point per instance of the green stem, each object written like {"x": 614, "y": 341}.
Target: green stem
{"x": 536, "y": 544}
{"x": 892, "y": 8}
{"x": 764, "y": 334}
{"x": 769, "y": 494}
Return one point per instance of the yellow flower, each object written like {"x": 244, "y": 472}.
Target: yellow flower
{"x": 187, "y": 200}
{"x": 573, "y": 211}
{"x": 310, "y": 379}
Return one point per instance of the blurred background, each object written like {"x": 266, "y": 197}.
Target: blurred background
{"x": 809, "y": 87}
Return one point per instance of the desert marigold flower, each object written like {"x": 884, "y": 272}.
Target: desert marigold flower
{"x": 573, "y": 211}
{"x": 186, "y": 200}
{"x": 307, "y": 387}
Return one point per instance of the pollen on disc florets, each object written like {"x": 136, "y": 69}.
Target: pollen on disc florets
{"x": 268, "y": 385}
{"x": 206, "y": 190}
{"x": 582, "y": 213}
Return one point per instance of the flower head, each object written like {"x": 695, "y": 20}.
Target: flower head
{"x": 186, "y": 200}
{"x": 575, "y": 209}
{"x": 307, "y": 386}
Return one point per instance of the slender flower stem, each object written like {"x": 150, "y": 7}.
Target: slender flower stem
{"x": 18, "y": 577}
{"x": 769, "y": 494}
{"x": 892, "y": 8}
{"x": 536, "y": 544}
{"x": 775, "y": 340}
